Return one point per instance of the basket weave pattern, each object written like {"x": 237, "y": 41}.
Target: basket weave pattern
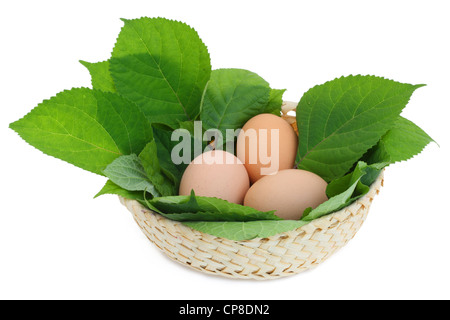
{"x": 277, "y": 256}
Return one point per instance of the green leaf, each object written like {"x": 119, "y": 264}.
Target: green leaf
{"x": 162, "y": 66}
{"x": 345, "y": 190}
{"x": 198, "y": 145}
{"x": 128, "y": 173}
{"x": 240, "y": 231}
{"x": 164, "y": 146}
{"x": 112, "y": 188}
{"x": 342, "y": 184}
{"x": 100, "y": 76}
{"x": 373, "y": 172}
{"x": 123, "y": 121}
{"x": 212, "y": 216}
{"x": 275, "y": 102}
{"x": 402, "y": 142}
{"x": 334, "y": 204}
{"x": 188, "y": 125}
{"x": 342, "y": 119}
{"x": 232, "y": 97}
{"x": 221, "y": 209}
{"x": 151, "y": 165}
{"x": 87, "y": 128}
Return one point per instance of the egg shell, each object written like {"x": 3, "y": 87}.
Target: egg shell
{"x": 254, "y": 146}
{"x": 216, "y": 174}
{"x": 289, "y": 192}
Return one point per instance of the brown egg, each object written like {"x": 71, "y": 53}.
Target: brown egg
{"x": 266, "y": 144}
{"x": 289, "y": 192}
{"x": 216, "y": 174}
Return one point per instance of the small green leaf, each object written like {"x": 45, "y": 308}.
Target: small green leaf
{"x": 128, "y": 173}
{"x": 240, "y": 231}
{"x": 342, "y": 119}
{"x": 373, "y": 172}
{"x": 332, "y": 205}
{"x": 345, "y": 190}
{"x": 164, "y": 146}
{"x": 341, "y": 185}
{"x": 112, "y": 188}
{"x": 87, "y": 128}
{"x": 151, "y": 165}
{"x": 232, "y": 97}
{"x": 100, "y": 76}
{"x": 162, "y": 66}
{"x": 198, "y": 145}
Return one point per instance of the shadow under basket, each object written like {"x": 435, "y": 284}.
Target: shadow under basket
{"x": 273, "y": 257}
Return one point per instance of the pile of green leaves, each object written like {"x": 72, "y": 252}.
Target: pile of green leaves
{"x": 159, "y": 78}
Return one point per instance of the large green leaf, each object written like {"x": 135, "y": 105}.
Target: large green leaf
{"x": 87, "y": 128}
{"x": 342, "y": 119}
{"x": 402, "y": 142}
{"x": 222, "y": 209}
{"x": 232, "y": 97}
{"x": 100, "y": 76}
{"x": 162, "y": 66}
{"x": 239, "y": 231}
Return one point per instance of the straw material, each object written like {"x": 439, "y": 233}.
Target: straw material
{"x": 277, "y": 256}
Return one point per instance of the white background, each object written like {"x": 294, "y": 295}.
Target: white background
{"x": 56, "y": 242}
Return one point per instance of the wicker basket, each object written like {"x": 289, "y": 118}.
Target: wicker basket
{"x": 277, "y": 256}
